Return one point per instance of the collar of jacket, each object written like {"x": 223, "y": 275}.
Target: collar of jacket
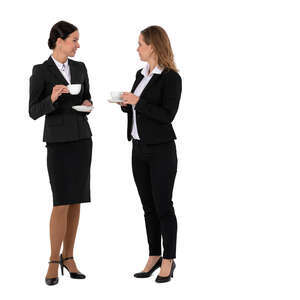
{"x": 153, "y": 79}
{"x": 74, "y": 71}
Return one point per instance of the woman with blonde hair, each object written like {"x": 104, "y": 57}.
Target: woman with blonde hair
{"x": 151, "y": 107}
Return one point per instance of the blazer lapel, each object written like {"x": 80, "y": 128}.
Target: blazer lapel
{"x": 151, "y": 82}
{"x": 54, "y": 70}
{"x": 153, "y": 79}
{"x": 137, "y": 81}
{"x": 75, "y": 72}
{"x": 140, "y": 77}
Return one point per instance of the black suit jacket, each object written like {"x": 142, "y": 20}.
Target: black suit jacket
{"x": 62, "y": 123}
{"x": 156, "y": 108}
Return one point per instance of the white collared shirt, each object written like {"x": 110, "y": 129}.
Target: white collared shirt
{"x": 64, "y": 69}
{"x": 138, "y": 91}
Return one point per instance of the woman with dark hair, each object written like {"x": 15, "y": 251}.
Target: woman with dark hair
{"x": 68, "y": 140}
{"x": 151, "y": 107}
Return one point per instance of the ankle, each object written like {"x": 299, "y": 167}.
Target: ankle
{"x": 167, "y": 260}
{"x": 54, "y": 257}
{"x": 154, "y": 257}
{"x": 65, "y": 255}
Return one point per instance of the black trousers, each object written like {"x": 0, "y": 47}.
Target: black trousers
{"x": 154, "y": 170}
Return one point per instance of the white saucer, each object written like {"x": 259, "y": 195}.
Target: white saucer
{"x": 115, "y": 101}
{"x": 83, "y": 108}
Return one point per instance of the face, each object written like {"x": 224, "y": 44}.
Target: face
{"x": 70, "y": 45}
{"x": 145, "y": 51}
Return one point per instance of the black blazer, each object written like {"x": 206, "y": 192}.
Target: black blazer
{"x": 156, "y": 108}
{"x": 62, "y": 123}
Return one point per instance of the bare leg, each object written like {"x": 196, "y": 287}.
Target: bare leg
{"x": 152, "y": 260}
{"x": 58, "y": 225}
{"x": 165, "y": 267}
{"x": 69, "y": 239}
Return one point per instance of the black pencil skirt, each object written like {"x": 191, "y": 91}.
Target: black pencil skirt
{"x": 69, "y": 171}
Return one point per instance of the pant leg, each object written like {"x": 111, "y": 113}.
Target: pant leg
{"x": 141, "y": 174}
{"x": 163, "y": 169}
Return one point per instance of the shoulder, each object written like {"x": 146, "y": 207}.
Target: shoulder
{"x": 38, "y": 69}
{"x": 171, "y": 75}
{"x": 76, "y": 63}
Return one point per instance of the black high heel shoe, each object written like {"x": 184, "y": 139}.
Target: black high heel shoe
{"x": 74, "y": 275}
{"x": 149, "y": 273}
{"x": 52, "y": 281}
{"x": 162, "y": 279}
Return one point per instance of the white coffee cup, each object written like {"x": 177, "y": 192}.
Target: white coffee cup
{"x": 116, "y": 95}
{"x": 74, "y": 89}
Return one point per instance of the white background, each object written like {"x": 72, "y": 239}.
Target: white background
{"x": 237, "y": 188}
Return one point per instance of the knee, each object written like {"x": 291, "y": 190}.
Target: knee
{"x": 61, "y": 210}
{"x": 74, "y": 207}
{"x": 165, "y": 213}
{"x": 149, "y": 210}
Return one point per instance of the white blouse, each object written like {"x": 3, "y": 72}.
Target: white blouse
{"x": 138, "y": 91}
{"x": 64, "y": 69}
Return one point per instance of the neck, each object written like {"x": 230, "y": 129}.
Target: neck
{"x": 152, "y": 64}
{"x": 62, "y": 58}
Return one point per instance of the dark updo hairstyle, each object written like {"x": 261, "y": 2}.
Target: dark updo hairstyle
{"x": 62, "y": 30}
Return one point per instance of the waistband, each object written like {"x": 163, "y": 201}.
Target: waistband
{"x": 139, "y": 142}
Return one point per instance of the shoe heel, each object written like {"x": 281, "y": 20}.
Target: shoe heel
{"x": 173, "y": 270}
{"x": 75, "y": 275}
{"x": 61, "y": 265}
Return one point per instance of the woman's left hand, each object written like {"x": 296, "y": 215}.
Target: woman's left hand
{"x": 130, "y": 98}
{"x": 87, "y": 103}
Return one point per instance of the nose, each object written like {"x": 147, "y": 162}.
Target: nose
{"x": 78, "y": 46}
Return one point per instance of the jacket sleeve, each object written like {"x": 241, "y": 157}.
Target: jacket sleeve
{"x": 38, "y": 106}
{"x": 164, "y": 113}
{"x": 126, "y": 108}
{"x": 86, "y": 85}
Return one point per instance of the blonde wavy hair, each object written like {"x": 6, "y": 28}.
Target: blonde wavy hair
{"x": 158, "y": 38}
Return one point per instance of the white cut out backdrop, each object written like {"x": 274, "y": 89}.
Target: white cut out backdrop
{"x": 237, "y": 189}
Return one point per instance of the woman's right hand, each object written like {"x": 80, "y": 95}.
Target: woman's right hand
{"x": 57, "y": 91}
